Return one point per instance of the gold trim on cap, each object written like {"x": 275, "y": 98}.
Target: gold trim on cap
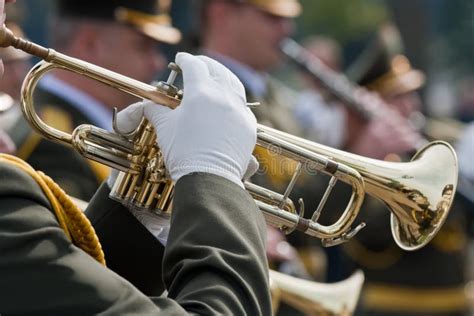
{"x": 401, "y": 78}
{"x": 157, "y": 27}
{"x": 283, "y": 8}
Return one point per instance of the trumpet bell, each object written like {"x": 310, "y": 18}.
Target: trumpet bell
{"x": 419, "y": 193}
{"x": 434, "y": 173}
{"x": 315, "y": 298}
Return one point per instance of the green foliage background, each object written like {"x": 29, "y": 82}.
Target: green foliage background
{"x": 343, "y": 20}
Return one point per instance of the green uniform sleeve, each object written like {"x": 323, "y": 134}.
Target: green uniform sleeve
{"x": 223, "y": 272}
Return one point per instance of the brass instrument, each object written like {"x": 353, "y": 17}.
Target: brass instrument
{"x": 419, "y": 193}
{"x": 314, "y": 298}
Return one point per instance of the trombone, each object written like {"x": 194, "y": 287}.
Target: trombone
{"x": 419, "y": 193}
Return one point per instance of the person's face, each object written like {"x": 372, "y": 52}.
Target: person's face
{"x": 259, "y": 35}
{"x": 130, "y": 53}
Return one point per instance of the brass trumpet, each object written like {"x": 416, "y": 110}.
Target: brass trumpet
{"x": 314, "y": 298}
{"x": 419, "y": 193}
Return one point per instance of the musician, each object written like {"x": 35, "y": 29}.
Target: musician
{"x": 214, "y": 261}
{"x": 122, "y": 36}
{"x": 245, "y": 36}
{"x": 386, "y": 133}
{"x": 429, "y": 281}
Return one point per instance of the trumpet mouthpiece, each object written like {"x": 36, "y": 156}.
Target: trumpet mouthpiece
{"x": 6, "y": 36}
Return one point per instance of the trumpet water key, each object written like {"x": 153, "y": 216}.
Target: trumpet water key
{"x": 419, "y": 193}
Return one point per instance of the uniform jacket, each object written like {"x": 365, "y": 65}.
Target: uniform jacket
{"x": 428, "y": 281}
{"x": 214, "y": 262}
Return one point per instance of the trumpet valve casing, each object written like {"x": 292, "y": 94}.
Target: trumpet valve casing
{"x": 146, "y": 185}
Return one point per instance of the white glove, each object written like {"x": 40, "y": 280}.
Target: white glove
{"x": 212, "y": 131}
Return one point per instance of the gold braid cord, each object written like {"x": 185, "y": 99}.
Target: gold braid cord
{"x": 72, "y": 220}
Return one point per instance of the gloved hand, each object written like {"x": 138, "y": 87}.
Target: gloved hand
{"x": 212, "y": 131}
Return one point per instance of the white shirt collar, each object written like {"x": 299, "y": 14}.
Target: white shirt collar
{"x": 254, "y": 81}
{"x": 98, "y": 114}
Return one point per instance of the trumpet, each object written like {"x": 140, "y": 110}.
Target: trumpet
{"x": 418, "y": 193}
{"x": 313, "y": 298}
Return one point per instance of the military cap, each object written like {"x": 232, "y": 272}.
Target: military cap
{"x": 283, "y": 8}
{"x": 384, "y": 68}
{"x": 150, "y": 17}
{"x": 399, "y": 78}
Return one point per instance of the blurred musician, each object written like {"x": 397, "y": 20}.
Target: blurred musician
{"x": 429, "y": 281}
{"x": 110, "y": 34}
{"x": 245, "y": 36}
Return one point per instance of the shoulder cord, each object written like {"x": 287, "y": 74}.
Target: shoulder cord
{"x": 71, "y": 219}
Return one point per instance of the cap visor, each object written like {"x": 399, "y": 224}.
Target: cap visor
{"x": 286, "y": 9}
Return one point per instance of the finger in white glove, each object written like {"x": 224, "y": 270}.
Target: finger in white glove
{"x": 212, "y": 131}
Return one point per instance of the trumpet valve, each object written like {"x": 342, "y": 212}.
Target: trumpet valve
{"x": 168, "y": 87}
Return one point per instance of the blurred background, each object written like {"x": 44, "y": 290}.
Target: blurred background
{"x": 438, "y": 38}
